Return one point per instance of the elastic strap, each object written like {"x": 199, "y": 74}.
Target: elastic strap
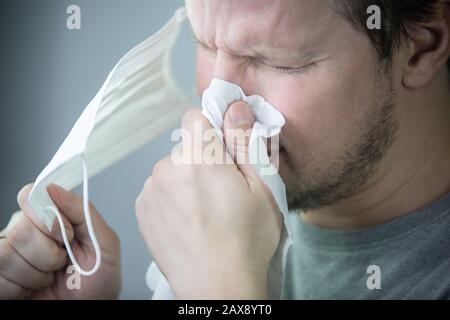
{"x": 87, "y": 215}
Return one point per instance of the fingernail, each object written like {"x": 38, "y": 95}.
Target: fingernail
{"x": 61, "y": 193}
{"x": 21, "y": 193}
{"x": 240, "y": 114}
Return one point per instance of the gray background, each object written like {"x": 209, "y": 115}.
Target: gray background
{"x": 49, "y": 74}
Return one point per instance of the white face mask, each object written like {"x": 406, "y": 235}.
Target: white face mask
{"x": 138, "y": 100}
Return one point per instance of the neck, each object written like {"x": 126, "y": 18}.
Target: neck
{"x": 414, "y": 172}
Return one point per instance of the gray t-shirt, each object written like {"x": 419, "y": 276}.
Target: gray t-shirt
{"x": 406, "y": 258}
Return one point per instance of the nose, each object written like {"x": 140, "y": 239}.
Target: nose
{"x": 234, "y": 69}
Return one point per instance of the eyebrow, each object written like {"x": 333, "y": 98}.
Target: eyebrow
{"x": 303, "y": 55}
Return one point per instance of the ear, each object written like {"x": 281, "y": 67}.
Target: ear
{"x": 429, "y": 48}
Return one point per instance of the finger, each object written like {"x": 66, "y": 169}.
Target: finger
{"x": 71, "y": 206}
{"x": 16, "y": 270}
{"x": 12, "y": 291}
{"x": 197, "y": 134}
{"x": 55, "y": 232}
{"x": 238, "y": 123}
{"x": 34, "y": 246}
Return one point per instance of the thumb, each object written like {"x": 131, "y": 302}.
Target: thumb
{"x": 54, "y": 233}
{"x": 71, "y": 207}
{"x": 237, "y": 128}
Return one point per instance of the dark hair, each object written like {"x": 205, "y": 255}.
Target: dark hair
{"x": 398, "y": 18}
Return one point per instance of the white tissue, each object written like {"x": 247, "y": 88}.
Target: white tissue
{"x": 269, "y": 122}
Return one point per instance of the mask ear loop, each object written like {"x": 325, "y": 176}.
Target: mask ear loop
{"x": 87, "y": 215}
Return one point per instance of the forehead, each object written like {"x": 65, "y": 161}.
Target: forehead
{"x": 260, "y": 24}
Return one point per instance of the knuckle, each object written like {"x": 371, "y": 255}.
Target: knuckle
{"x": 191, "y": 119}
{"x": 158, "y": 169}
{"x": 5, "y": 253}
{"x": 56, "y": 260}
{"x": 191, "y": 115}
{"x": 161, "y": 170}
{"x": 20, "y": 232}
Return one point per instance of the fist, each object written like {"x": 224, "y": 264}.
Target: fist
{"x": 33, "y": 261}
{"x": 212, "y": 228}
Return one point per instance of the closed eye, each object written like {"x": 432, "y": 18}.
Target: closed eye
{"x": 282, "y": 69}
{"x": 257, "y": 62}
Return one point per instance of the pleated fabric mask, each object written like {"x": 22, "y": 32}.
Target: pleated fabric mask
{"x": 138, "y": 101}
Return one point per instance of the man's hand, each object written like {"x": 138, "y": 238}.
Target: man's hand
{"x": 33, "y": 262}
{"x": 211, "y": 228}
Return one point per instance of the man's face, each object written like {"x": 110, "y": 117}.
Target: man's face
{"x": 318, "y": 71}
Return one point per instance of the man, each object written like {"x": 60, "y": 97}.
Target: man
{"x": 365, "y": 155}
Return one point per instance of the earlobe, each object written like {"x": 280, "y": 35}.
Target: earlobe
{"x": 430, "y": 49}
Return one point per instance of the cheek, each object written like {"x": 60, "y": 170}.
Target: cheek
{"x": 323, "y": 111}
{"x": 204, "y": 70}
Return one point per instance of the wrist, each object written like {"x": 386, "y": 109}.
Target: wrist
{"x": 222, "y": 285}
